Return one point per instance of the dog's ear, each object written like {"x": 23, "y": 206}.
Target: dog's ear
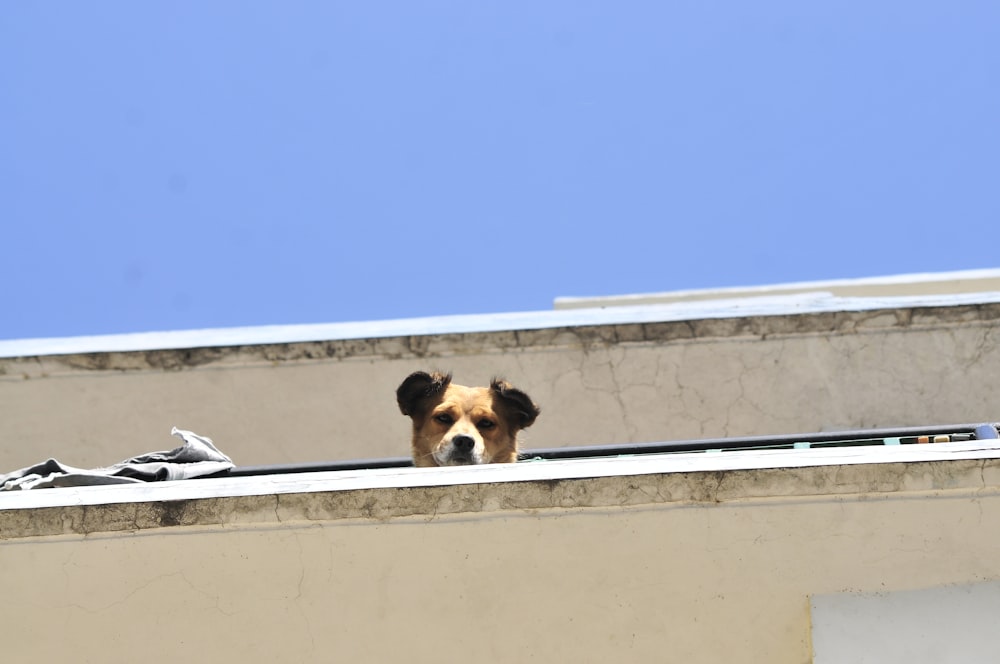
{"x": 522, "y": 409}
{"x": 418, "y": 387}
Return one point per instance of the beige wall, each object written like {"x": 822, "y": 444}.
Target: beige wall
{"x": 683, "y": 567}
{"x": 618, "y": 383}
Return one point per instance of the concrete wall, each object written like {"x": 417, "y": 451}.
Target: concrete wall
{"x": 686, "y": 567}
{"x": 597, "y": 384}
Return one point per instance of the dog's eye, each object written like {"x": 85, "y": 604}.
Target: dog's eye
{"x": 486, "y": 424}
{"x": 444, "y": 418}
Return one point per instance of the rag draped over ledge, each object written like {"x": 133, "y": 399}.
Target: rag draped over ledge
{"x": 197, "y": 457}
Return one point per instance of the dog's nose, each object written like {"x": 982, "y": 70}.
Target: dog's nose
{"x": 463, "y": 442}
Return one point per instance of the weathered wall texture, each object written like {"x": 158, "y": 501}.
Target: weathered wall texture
{"x": 597, "y": 385}
{"x": 702, "y": 567}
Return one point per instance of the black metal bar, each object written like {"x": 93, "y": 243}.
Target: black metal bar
{"x": 316, "y": 467}
{"x": 699, "y": 445}
{"x": 975, "y": 431}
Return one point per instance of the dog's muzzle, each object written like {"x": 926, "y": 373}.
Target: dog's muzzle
{"x": 463, "y": 450}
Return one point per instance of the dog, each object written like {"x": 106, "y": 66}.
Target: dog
{"x": 455, "y": 425}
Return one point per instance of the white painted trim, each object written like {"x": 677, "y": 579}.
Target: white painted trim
{"x": 525, "y": 471}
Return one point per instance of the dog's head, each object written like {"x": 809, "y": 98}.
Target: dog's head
{"x": 456, "y": 425}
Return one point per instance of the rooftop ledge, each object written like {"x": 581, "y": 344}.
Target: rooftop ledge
{"x": 970, "y": 467}
{"x": 766, "y": 313}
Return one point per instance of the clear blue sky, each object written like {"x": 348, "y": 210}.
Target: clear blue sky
{"x": 189, "y": 164}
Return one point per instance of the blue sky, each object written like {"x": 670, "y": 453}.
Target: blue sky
{"x": 192, "y": 164}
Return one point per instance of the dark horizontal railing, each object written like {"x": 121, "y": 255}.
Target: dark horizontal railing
{"x": 901, "y": 436}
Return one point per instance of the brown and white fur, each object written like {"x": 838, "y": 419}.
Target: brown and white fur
{"x": 455, "y": 425}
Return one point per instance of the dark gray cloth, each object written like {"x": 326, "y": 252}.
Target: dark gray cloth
{"x": 198, "y": 456}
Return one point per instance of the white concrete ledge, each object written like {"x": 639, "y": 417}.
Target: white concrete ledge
{"x": 525, "y": 471}
{"x": 925, "y": 283}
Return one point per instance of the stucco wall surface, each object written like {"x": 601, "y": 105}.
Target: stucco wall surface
{"x": 685, "y": 567}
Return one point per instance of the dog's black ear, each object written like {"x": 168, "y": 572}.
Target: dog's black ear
{"x": 417, "y": 387}
{"x": 521, "y": 406}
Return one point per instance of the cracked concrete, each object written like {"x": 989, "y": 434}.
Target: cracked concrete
{"x": 382, "y": 505}
{"x": 589, "y": 569}
{"x": 597, "y": 384}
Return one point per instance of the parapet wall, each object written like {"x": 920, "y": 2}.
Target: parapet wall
{"x": 625, "y": 559}
{"x": 651, "y": 373}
